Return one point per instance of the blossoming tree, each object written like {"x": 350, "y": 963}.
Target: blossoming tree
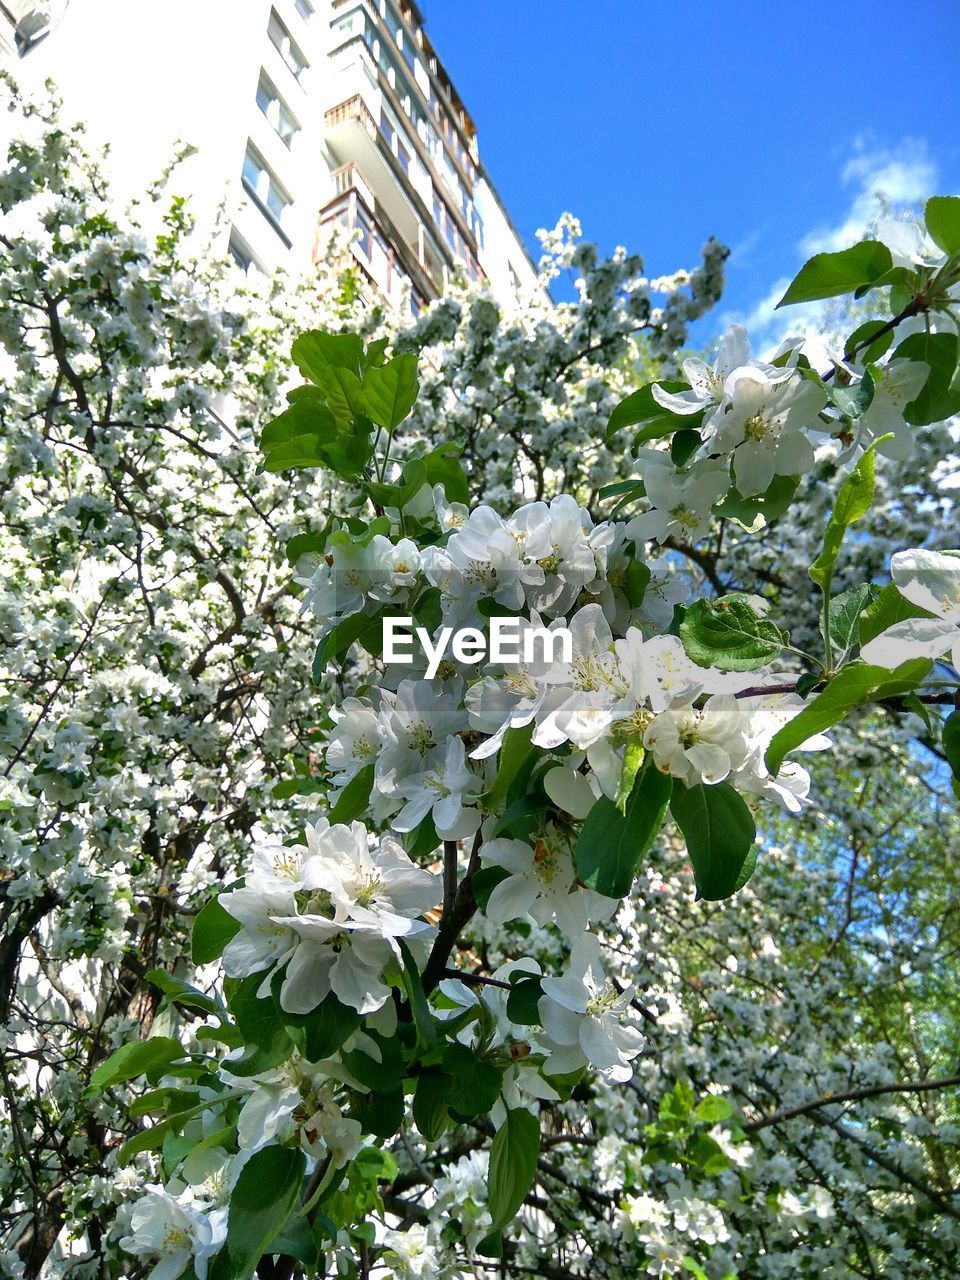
{"x": 452, "y": 967}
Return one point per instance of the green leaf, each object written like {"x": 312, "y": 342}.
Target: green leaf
{"x": 771, "y": 504}
{"x": 939, "y": 398}
{"x": 853, "y": 501}
{"x": 515, "y": 750}
{"x": 523, "y": 1002}
{"x": 951, "y": 742}
{"x": 712, "y": 1109}
{"x": 397, "y": 495}
{"x": 854, "y": 685}
{"x": 827, "y": 275}
{"x": 942, "y": 216}
{"x": 611, "y": 844}
{"x": 720, "y": 835}
{"x": 476, "y": 1083}
{"x": 641, "y": 407}
{"x": 852, "y": 401}
{"x": 151, "y": 1139}
{"x": 422, "y": 841}
{"x": 333, "y": 647}
{"x": 297, "y": 1241}
{"x": 632, "y": 760}
{"x": 426, "y": 1023}
{"x": 845, "y": 610}
{"x": 266, "y": 1196}
{"x": 513, "y": 1166}
{"x": 885, "y": 610}
{"x": 684, "y": 445}
{"x": 302, "y": 544}
{"x": 333, "y": 362}
{"x": 354, "y": 797}
{"x": 694, "y": 1267}
{"x": 615, "y": 489}
{"x": 390, "y": 392}
{"x": 317, "y": 351}
{"x": 484, "y": 881}
{"x": 180, "y": 992}
{"x": 213, "y": 928}
{"x": 876, "y": 347}
{"x": 139, "y": 1058}
{"x": 308, "y": 418}
{"x": 728, "y": 633}
{"x": 430, "y": 1104}
{"x": 443, "y": 466}
{"x": 371, "y": 1073}
{"x": 320, "y": 1033}
{"x": 636, "y": 579}
{"x": 380, "y": 1112}
{"x": 262, "y": 1025}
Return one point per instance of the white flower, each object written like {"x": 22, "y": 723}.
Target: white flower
{"x": 274, "y": 1096}
{"x": 339, "y": 583}
{"x": 760, "y": 719}
{"x": 643, "y": 1215}
{"x": 762, "y": 426}
{"x": 698, "y": 745}
{"x": 377, "y": 886}
{"x": 450, "y": 515}
{"x": 542, "y": 883}
{"x": 264, "y": 941}
{"x": 681, "y": 498}
{"x": 581, "y": 1014}
{"x": 591, "y": 682}
{"x": 930, "y": 580}
{"x": 559, "y": 538}
{"x": 411, "y": 1255}
{"x": 354, "y": 741}
{"x": 900, "y": 384}
{"x": 512, "y": 695}
{"x": 489, "y": 1000}
{"x": 328, "y": 1130}
{"x": 909, "y": 243}
{"x": 421, "y": 715}
{"x": 333, "y": 921}
{"x": 393, "y": 567}
{"x": 707, "y": 381}
{"x": 176, "y": 1232}
{"x": 667, "y": 587}
{"x": 343, "y": 957}
{"x": 441, "y": 789}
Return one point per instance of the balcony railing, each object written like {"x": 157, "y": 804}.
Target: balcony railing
{"x": 387, "y": 260}
{"x": 353, "y": 109}
{"x": 349, "y": 178}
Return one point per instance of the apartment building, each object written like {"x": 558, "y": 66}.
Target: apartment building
{"x": 313, "y": 121}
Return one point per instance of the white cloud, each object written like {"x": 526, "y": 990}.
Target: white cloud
{"x": 879, "y": 179}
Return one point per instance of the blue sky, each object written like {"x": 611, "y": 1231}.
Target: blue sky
{"x": 660, "y": 122}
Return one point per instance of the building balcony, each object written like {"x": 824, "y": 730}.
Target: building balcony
{"x": 342, "y": 121}
{"x": 392, "y": 264}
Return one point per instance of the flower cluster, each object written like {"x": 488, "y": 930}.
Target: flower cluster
{"x": 330, "y": 914}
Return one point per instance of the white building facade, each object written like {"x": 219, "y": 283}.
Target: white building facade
{"x": 307, "y": 117}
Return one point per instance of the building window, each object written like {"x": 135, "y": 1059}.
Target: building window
{"x": 403, "y": 155}
{"x": 263, "y": 186}
{"x": 304, "y": 8}
{"x": 240, "y": 254}
{"x": 276, "y": 110}
{"x": 364, "y": 233}
{"x": 285, "y": 45}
